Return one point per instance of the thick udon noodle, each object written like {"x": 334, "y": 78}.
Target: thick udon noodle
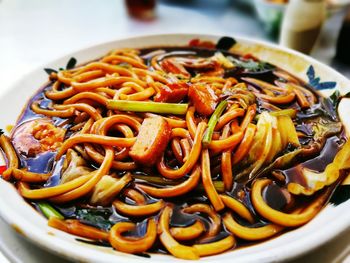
{"x": 229, "y": 172}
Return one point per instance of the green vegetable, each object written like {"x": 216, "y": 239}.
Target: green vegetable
{"x": 70, "y": 64}
{"x": 155, "y": 180}
{"x": 281, "y": 162}
{"x": 49, "y": 211}
{"x": 289, "y": 112}
{"x": 212, "y": 122}
{"x": 218, "y": 185}
{"x": 95, "y": 216}
{"x": 328, "y": 106}
{"x": 323, "y": 129}
{"x": 147, "y": 106}
{"x": 251, "y": 65}
{"x": 336, "y": 97}
{"x": 223, "y": 60}
{"x": 50, "y": 70}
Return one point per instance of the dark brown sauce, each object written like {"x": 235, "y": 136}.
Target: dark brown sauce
{"x": 340, "y": 195}
{"x": 274, "y": 197}
{"x": 317, "y": 164}
{"x": 99, "y": 243}
{"x": 42, "y": 163}
{"x": 221, "y": 235}
{"x": 181, "y": 219}
{"x": 56, "y": 174}
{"x": 139, "y": 231}
{"x": 27, "y": 114}
{"x": 105, "y": 217}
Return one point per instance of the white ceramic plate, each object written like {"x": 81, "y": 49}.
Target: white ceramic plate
{"x": 25, "y": 220}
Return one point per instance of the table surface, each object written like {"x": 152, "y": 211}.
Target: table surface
{"x": 35, "y": 32}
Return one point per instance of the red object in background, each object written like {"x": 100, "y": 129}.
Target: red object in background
{"x": 249, "y": 56}
{"x": 194, "y": 42}
{"x": 201, "y": 44}
{"x": 141, "y": 9}
{"x": 2, "y": 168}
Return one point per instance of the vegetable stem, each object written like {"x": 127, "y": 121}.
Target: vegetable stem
{"x": 212, "y": 123}
{"x": 49, "y": 211}
{"x": 154, "y": 179}
{"x": 147, "y": 106}
{"x": 289, "y": 112}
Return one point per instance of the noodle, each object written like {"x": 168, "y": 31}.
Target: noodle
{"x": 250, "y": 233}
{"x": 176, "y": 249}
{"x": 191, "y": 161}
{"x": 184, "y": 149}
{"x": 208, "y": 184}
{"x": 177, "y": 190}
{"x": 86, "y": 95}
{"x": 215, "y": 247}
{"x": 283, "y": 218}
{"x": 11, "y": 156}
{"x": 132, "y": 245}
{"x": 215, "y": 220}
{"x": 139, "y": 210}
{"x": 188, "y": 233}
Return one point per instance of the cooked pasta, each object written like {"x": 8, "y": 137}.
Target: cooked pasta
{"x": 184, "y": 150}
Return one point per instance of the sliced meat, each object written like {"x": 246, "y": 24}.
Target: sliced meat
{"x": 151, "y": 141}
{"x": 172, "y": 66}
{"x": 197, "y": 63}
{"x": 37, "y": 136}
{"x": 203, "y": 98}
{"x": 216, "y": 71}
{"x": 174, "y": 92}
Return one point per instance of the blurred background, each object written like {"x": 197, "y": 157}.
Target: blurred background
{"x": 34, "y": 32}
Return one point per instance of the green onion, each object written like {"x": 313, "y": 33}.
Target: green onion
{"x": 289, "y": 112}
{"x": 147, "y": 106}
{"x": 49, "y": 211}
{"x": 218, "y": 185}
{"x": 155, "y": 179}
{"x": 212, "y": 122}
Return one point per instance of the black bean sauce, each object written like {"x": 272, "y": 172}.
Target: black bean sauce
{"x": 275, "y": 194}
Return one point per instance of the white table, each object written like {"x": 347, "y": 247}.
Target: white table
{"x": 34, "y": 32}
